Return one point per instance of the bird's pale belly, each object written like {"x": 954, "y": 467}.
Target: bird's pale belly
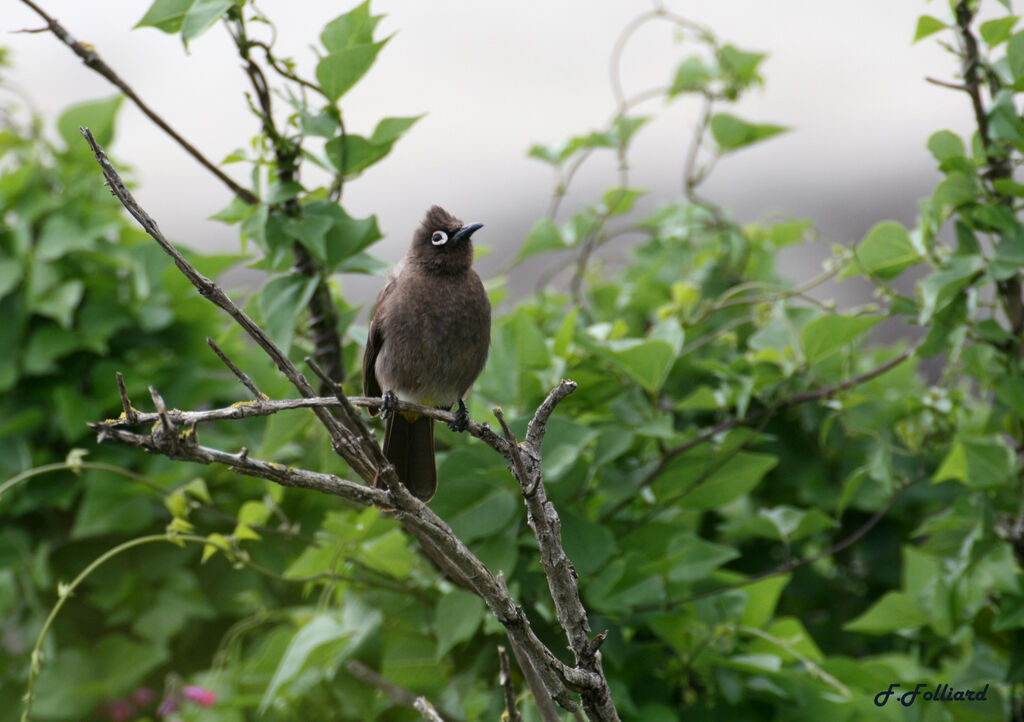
{"x": 437, "y": 359}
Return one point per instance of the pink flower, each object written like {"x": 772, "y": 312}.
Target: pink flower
{"x": 168, "y": 707}
{"x": 202, "y": 697}
{"x": 143, "y": 696}
{"x": 121, "y": 710}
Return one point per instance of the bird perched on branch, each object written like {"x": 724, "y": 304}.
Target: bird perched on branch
{"x": 429, "y": 334}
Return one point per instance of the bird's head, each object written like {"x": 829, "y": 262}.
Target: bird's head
{"x": 442, "y": 242}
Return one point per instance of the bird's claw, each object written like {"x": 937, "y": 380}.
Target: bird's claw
{"x": 389, "y": 404}
{"x": 461, "y": 422}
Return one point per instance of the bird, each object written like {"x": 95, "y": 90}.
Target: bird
{"x": 430, "y": 332}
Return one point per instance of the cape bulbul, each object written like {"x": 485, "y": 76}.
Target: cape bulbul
{"x": 429, "y": 334}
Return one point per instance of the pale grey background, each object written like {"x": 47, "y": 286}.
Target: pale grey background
{"x": 495, "y": 78}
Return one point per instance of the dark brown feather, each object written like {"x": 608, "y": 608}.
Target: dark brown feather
{"x": 409, "y": 446}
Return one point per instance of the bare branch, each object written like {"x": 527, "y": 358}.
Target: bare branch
{"x": 396, "y": 693}
{"x": 158, "y": 442}
{"x": 92, "y": 60}
{"x": 350, "y": 442}
{"x": 342, "y": 439}
{"x": 130, "y": 414}
{"x": 538, "y": 424}
{"x": 558, "y": 569}
{"x": 517, "y": 457}
{"x": 243, "y": 377}
{"x": 505, "y": 680}
{"x": 423, "y": 706}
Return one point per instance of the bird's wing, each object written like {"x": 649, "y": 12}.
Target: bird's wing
{"x": 374, "y": 341}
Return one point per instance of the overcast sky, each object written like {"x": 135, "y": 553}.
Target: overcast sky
{"x": 494, "y": 79}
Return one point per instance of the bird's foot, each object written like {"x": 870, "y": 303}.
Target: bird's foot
{"x": 389, "y": 404}
{"x": 461, "y": 422}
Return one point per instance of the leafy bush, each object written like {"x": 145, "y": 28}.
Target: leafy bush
{"x": 771, "y": 519}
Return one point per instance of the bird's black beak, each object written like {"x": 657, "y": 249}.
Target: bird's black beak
{"x": 467, "y": 231}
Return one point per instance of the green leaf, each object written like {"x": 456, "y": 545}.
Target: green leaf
{"x": 647, "y": 361}
{"x": 546, "y": 155}
{"x": 491, "y": 511}
{"x": 955, "y": 190}
{"x": 279, "y": 192}
{"x": 791, "y": 524}
{"x": 1009, "y": 258}
{"x": 350, "y": 29}
{"x": 587, "y": 544}
{"x": 1004, "y": 121}
{"x": 976, "y": 462}
{"x": 201, "y": 17}
{"x": 927, "y": 25}
{"x": 689, "y": 558}
{"x": 1015, "y": 55}
{"x": 1010, "y": 391}
{"x": 166, "y": 15}
{"x": 351, "y": 154}
{"x": 891, "y": 613}
{"x": 618, "y": 201}
{"x": 544, "y": 236}
{"x": 565, "y": 334}
{"x": 692, "y": 74}
{"x": 60, "y": 303}
{"x": 342, "y": 69}
{"x": 827, "y": 334}
{"x": 736, "y": 477}
{"x": 563, "y": 445}
{"x": 739, "y": 68}
{"x": 389, "y": 553}
{"x": 945, "y": 145}
{"x": 886, "y": 251}
{"x": 10, "y": 275}
{"x": 325, "y": 636}
{"x": 110, "y": 506}
{"x": 280, "y": 302}
{"x": 311, "y": 231}
{"x": 762, "y": 599}
{"x": 997, "y": 31}
{"x": 941, "y": 287}
{"x": 97, "y": 115}
{"x": 731, "y": 132}
{"x": 47, "y": 344}
{"x": 389, "y": 130}
{"x": 456, "y": 619}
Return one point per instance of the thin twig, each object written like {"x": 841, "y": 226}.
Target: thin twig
{"x": 505, "y": 680}
{"x": 130, "y": 414}
{"x": 541, "y": 696}
{"x": 396, "y": 693}
{"x": 341, "y": 437}
{"x": 423, "y": 706}
{"x": 243, "y": 377}
{"x": 93, "y": 61}
{"x": 561, "y": 681}
{"x": 517, "y": 457}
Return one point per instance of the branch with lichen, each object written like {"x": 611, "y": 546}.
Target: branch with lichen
{"x": 174, "y": 434}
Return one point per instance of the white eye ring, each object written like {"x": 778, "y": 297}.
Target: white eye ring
{"x": 439, "y": 238}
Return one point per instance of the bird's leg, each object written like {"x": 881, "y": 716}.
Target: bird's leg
{"x": 461, "y": 422}
{"x": 389, "y": 404}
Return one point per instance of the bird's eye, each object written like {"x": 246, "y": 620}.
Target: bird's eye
{"x": 439, "y": 238}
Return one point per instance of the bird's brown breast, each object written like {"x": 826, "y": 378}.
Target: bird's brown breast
{"x": 436, "y": 334}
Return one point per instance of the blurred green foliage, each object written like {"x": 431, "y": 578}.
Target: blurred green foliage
{"x": 771, "y": 520}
